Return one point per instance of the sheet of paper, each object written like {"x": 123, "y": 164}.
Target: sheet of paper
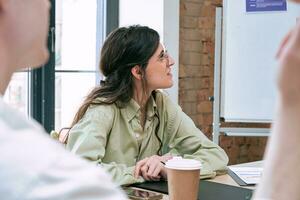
{"x": 250, "y": 175}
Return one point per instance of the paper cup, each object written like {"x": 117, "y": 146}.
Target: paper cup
{"x": 183, "y": 178}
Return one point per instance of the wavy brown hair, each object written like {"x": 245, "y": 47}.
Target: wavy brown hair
{"x": 123, "y": 49}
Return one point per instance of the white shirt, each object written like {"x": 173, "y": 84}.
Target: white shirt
{"x": 33, "y": 166}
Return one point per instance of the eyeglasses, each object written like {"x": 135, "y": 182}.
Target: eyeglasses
{"x": 164, "y": 55}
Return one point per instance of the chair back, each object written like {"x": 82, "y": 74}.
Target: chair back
{"x": 61, "y": 136}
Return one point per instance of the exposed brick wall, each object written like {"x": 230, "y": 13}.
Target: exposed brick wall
{"x": 196, "y": 71}
{"x": 243, "y": 149}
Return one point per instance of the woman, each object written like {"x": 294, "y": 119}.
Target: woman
{"x": 130, "y": 127}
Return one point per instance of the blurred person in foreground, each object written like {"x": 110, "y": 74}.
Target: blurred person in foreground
{"x": 282, "y": 158}
{"x": 32, "y": 166}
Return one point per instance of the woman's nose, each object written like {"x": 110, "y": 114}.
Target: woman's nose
{"x": 171, "y": 61}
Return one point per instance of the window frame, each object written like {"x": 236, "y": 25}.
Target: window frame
{"x": 42, "y": 92}
{"x": 42, "y": 80}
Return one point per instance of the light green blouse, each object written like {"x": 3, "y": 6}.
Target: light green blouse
{"x": 114, "y": 138}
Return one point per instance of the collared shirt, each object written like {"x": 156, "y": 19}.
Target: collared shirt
{"x": 33, "y": 166}
{"x": 114, "y": 137}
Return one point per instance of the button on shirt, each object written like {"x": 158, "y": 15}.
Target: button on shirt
{"x": 113, "y": 136}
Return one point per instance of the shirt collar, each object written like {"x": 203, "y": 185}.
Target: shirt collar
{"x": 132, "y": 109}
{"x": 152, "y": 107}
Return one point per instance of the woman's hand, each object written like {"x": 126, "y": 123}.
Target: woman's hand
{"x": 152, "y": 168}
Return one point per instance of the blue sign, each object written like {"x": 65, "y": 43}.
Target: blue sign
{"x": 265, "y": 5}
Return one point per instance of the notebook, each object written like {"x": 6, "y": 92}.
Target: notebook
{"x": 246, "y": 176}
{"x": 207, "y": 190}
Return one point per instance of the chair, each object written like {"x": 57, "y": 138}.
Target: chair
{"x": 61, "y": 136}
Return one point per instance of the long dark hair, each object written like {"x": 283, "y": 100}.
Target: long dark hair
{"x": 123, "y": 49}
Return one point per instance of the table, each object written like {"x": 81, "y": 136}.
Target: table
{"x": 226, "y": 179}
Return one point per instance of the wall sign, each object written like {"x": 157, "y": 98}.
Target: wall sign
{"x": 265, "y": 5}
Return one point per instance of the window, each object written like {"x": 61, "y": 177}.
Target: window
{"x": 52, "y": 94}
{"x": 79, "y": 35}
{"x": 163, "y": 16}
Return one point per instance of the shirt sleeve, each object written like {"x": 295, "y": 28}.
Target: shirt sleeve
{"x": 88, "y": 139}
{"x": 188, "y": 141}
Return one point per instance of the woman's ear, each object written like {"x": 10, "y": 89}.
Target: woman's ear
{"x": 136, "y": 72}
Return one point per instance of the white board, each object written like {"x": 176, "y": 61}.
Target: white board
{"x": 250, "y": 42}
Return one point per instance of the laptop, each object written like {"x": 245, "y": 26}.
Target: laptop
{"x": 207, "y": 190}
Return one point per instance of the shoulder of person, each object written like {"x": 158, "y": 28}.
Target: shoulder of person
{"x": 164, "y": 101}
{"x": 98, "y": 109}
{"x": 15, "y": 119}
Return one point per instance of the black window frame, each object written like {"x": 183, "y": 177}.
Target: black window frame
{"x": 43, "y": 83}
{"x": 112, "y": 15}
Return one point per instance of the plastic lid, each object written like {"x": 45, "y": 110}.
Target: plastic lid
{"x": 183, "y": 164}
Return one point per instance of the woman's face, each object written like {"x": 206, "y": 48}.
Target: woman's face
{"x": 158, "y": 70}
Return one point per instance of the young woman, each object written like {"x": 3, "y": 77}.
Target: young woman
{"x": 130, "y": 127}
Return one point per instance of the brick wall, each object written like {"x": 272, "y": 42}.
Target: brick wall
{"x": 196, "y": 71}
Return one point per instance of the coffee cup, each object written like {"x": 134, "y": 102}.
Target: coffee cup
{"x": 183, "y": 178}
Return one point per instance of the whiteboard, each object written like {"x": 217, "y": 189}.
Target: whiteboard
{"x": 249, "y": 45}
